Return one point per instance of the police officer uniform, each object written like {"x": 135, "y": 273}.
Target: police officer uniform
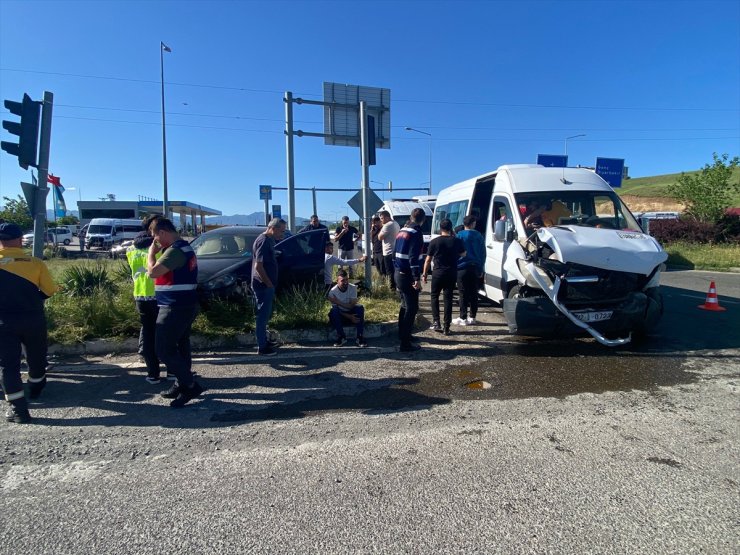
{"x": 25, "y": 283}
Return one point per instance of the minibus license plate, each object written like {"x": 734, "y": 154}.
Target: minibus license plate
{"x": 594, "y": 316}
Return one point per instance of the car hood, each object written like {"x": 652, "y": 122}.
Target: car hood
{"x": 624, "y": 251}
{"x": 211, "y": 268}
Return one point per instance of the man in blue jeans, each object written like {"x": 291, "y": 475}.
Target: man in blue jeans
{"x": 264, "y": 281}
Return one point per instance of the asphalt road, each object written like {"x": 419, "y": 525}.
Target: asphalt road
{"x": 481, "y": 442}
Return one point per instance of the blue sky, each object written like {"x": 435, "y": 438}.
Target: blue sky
{"x": 655, "y": 83}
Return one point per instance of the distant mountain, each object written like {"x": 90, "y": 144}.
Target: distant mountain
{"x": 255, "y": 218}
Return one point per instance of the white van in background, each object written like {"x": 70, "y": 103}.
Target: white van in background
{"x": 103, "y": 233}
{"x": 593, "y": 269}
{"x": 400, "y": 210}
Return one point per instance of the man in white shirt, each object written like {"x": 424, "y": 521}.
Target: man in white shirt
{"x": 343, "y": 297}
{"x": 332, "y": 260}
{"x": 387, "y": 235}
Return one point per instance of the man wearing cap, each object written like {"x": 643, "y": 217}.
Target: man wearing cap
{"x": 146, "y": 303}
{"x": 25, "y": 283}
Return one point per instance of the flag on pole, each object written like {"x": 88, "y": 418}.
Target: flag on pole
{"x": 165, "y": 47}
{"x": 60, "y": 207}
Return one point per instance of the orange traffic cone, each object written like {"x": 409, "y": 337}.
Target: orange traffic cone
{"x": 712, "y": 302}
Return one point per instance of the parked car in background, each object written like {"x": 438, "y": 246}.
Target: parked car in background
{"x": 225, "y": 260}
{"x": 27, "y": 240}
{"x": 60, "y": 235}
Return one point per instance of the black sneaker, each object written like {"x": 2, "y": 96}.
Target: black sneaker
{"x": 34, "y": 388}
{"x": 186, "y": 395}
{"x": 409, "y": 348}
{"x": 154, "y": 380}
{"x": 171, "y": 377}
{"x": 172, "y": 392}
{"x": 436, "y": 327}
{"x": 340, "y": 342}
{"x": 18, "y": 412}
{"x": 361, "y": 342}
{"x": 267, "y": 351}
{"x": 447, "y": 331}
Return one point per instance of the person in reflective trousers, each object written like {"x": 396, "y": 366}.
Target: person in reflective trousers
{"x": 175, "y": 277}
{"x": 25, "y": 283}
{"x": 407, "y": 260}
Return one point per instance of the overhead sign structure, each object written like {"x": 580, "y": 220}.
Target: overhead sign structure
{"x": 342, "y": 109}
{"x": 373, "y": 202}
{"x": 265, "y": 192}
{"x": 610, "y": 170}
{"x": 553, "y": 160}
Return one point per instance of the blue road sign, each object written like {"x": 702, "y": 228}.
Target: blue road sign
{"x": 553, "y": 160}
{"x": 277, "y": 211}
{"x": 610, "y": 170}
{"x": 265, "y": 192}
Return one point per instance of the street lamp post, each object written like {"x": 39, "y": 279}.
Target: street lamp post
{"x": 572, "y": 137}
{"x": 162, "y": 49}
{"x": 430, "y": 153}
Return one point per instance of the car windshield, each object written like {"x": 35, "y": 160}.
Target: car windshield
{"x": 224, "y": 245}
{"x": 581, "y": 208}
{"x": 101, "y": 229}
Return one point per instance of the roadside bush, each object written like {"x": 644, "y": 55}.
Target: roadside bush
{"x": 86, "y": 279}
{"x": 55, "y": 251}
{"x": 301, "y": 307}
{"x": 726, "y": 230}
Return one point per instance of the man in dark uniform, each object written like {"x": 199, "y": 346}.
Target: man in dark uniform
{"x": 345, "y": 236}
{"x": 25, "y": 283}
{"x": 407, "y": 260}
{"x": 175, "y": 276}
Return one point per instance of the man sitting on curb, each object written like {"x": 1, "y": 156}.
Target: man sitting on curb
{"x": 343, "y": 297}
{"x": 331, "y": 259}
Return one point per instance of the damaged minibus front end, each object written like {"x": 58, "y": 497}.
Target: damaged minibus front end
{"x": 574, "y": 279}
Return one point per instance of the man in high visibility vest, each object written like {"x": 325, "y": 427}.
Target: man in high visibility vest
{"x": 146, "y": 303}
{"x": 25, "y": 283}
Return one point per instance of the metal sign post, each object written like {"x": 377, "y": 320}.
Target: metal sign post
{"x": 365, "y": 185}
{"x": 39, "y": 218}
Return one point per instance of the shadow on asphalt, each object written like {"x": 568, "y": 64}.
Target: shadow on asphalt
{"x": 515, "y": 368}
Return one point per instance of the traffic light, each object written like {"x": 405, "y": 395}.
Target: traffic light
{"x": 27, "y": 130}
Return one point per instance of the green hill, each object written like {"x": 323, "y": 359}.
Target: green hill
{"x": 657, "y": 186}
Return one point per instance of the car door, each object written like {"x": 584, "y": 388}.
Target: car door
{"x": 496, "y": 250}
{"x": 301, "y": 259}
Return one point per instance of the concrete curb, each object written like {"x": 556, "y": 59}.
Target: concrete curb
{"x": 201, "y": 343}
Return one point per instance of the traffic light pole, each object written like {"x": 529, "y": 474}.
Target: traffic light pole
{"x": 39, "y": 218}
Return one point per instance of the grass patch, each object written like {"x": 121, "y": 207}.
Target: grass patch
{"x": 97, "y": 302}
{"x": 703, "y": 256}
{"x": 658, "y": 186}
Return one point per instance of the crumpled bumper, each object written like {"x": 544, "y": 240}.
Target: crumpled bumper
{"x": 538, "y": 316}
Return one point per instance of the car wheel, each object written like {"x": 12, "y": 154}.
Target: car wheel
{"x": 67, "y": 242}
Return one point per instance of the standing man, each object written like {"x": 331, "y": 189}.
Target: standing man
{"x": 377, "y": 244}
{"x": 469, "y": 271}
{"x": 81, "y": 237}
{"x": 175, "y": 277}
{"x": 25, "y": 283}
{"x": 387, "y": 235}
{"x": 313, "y": 225}
{"x": 264, "y": 281}
{"x": 444, "y": 251}
{"x": 345, "y": 236}
{"x": 343, "y": 298}
{"x": 146, "y": 303}
{"x": 409, "y": 244}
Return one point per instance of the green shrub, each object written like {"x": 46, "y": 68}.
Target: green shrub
{"x": 86, "y": 279}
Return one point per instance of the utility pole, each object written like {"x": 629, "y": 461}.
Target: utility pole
{"x": 39, "y": 218}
